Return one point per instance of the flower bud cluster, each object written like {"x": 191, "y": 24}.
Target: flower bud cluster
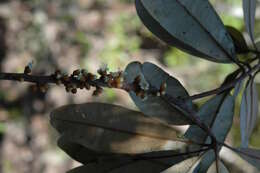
{"x": 112, "y": 79}
{"x": 82, "y": 79}
{"x": 79, "y": 79}
{"x": 142, "y": 88}
{"x": 28, "y": 68}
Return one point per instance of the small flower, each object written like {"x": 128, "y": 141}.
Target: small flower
{"x": 57, "y": 74}
{"x": 68, "y": 89}
{"x": 103, "y": 70}
{"x": 27, "y": 70}
{"x": 76, "y": 72}
{"x": 74, "y": 90}
{"x": 84, "y": 72}
{"x": 30, "y": 65}
{"x": 65, "y": 78}
{"x": 74, "y": 85}
{"x": 81, "y": 86}
{"x": 87, "y": 86}
{"x": 58, "y": 82}
{"x": 91, "y": 77}
{"x": 82, "y": 78}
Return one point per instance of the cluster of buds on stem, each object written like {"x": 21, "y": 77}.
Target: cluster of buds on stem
{"x": 79, "y": 79}
{"x": 82, "y": 79}
{"x": 143, "y": 89}
{"x": 112, "y": 79}
{"x": 28, "y": 68}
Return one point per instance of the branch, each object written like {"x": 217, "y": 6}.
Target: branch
{"x": 79, "y": 79}
{"x": 27, "y": 78}
{"x": 226, "y": 86}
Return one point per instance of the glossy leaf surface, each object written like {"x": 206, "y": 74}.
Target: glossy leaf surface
{"x": 192, "y": 26}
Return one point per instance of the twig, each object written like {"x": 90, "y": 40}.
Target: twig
{"x": 225, "y": 87}
{"x": 171, "y": 155}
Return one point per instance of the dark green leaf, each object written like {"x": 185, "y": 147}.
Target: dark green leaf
{"x": 80, "y": 153}
{"x": 141, "y": 166}
{"x": 110, "y": 138}
{"x": 224, "y": 119}
{"x": 249, "y": 9}
{"x": 111, "y": 163}
{"x": 248, "y": 112}
{"x": 238, "y": 88}
{"x": 238, "y": 39}
{"x": 85, "y": 155}
{"x": 109, "y": 128}
{"x": 207, "y": 115}
{"x": 220, "y": 129}
{"x": 192, "y": 26}
{"x": 207, "y": 159}
{"x": 216, "y": 113}
{"x": 155, "y": 106}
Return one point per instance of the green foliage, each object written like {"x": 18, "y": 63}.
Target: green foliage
{"x": 187, "y": 24}
{"x": 107, "y": 138}
{"x": 151, "y": 75}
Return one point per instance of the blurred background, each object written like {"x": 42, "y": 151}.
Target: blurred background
{"x": 67, "y": 35}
